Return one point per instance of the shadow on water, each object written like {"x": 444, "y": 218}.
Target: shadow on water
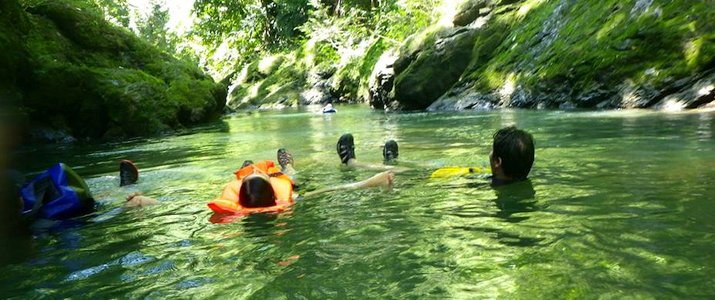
{"x": 148, "y": 152}
{"x": 515, "y": 198}
{"x": 514, "y": 204}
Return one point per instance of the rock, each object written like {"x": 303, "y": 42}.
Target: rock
{"x": 14, "y": 61}
{"x": 465, "y": 100}
{"x": 86, "y": 78}
{"x": 469, "y": 11}
{"x": 567, "y": 106}
{"x": 84, "y": 27}
{"x": 596, "y": 96}
{"x": 326, "y": 72}
{"x": 699, "y": 94}
{"x": 319, "y": 91}
{"x": 382, "y": 80}
{"x": 51, "y": 135}
{"x": 521, "y": 97}
{"x": 507, "y": 2}
{"x": 632, "y": 95}
{"x": 435, "y": 70}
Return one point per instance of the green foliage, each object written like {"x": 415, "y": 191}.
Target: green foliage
{"x": 13, "y": 56}
{"x": 272, "y": 80}
{"x": 152, "y": 28}
{"x": 250, "y": 25}
{"x": 606, "y": 43}
{"x": 98, "y": 80}
{"x": 352, "y": 39}
{"x": 320, "y": 31}
{"x": 116, "y": 11}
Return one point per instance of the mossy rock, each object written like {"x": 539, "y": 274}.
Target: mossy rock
{"x": 468, "y": 11}
{"x": 84, "y": 26}
{"x": 266, "y": 82}
{"x": 435, "y": 70}
{"x": 95, "y": 80}
{"x": 604, "y": 54}
{"x": 13, "y": 53}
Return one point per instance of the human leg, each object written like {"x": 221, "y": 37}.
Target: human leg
{"x": 128, "y": 173}
{"x": 390, "y": 151}
{"x": 285, "y": 160}
{"x": 346, "y": 152}
{"x": 139, "y": 200}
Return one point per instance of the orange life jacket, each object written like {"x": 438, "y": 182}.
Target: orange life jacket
{"x": 282, "y": 186}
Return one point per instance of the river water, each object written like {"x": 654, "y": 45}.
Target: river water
{"x": 620, "y": 204}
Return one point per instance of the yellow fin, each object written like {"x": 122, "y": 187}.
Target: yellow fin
{"x": 458, "y": 171}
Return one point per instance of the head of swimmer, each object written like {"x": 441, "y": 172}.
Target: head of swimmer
{"x": 256, "y": 191}
{"x": 512, "y": 154}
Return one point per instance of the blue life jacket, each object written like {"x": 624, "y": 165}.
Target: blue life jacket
{"x": 58, "y": 193}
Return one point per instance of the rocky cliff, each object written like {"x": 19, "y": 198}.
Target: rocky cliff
{"x": 556, "y": 54}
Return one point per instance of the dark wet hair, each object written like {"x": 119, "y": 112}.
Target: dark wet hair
{"x": 256, "y": 191}
{"x": 515, "y": 147}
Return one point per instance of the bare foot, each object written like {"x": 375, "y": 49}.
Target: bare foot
{"x": 132, "y": 195}
{"x": 384, "y": 179}
{"x": 137, "y": 200}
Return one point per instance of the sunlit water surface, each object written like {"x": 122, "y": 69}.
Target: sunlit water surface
{"x": 620, "y": 204}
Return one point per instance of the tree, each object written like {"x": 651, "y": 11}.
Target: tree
{"x": 263, "y": 23}
{"x": 152, "y": 28}
{"x": 115, "y": 11}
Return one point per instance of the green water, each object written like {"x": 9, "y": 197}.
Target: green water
{"x": 620, "y": 204}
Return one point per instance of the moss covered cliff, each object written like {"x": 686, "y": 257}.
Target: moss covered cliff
{"x": 511, "y": 53}
{"x": 564, "y": 53}
{"x": 72, "y": 74}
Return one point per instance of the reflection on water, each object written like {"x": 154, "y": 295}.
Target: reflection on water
{"x": 618, "y": 204}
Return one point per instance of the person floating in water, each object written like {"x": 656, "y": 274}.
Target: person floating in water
{"x": 262, "y": 187}
{"x": 60, "y": 193}
{"x": 511, "y": 158}
{"x": 128, "y": 175}
{"x": 329, "y": 109}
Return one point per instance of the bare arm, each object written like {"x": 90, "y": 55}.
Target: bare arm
{"x": 384, "y": 179}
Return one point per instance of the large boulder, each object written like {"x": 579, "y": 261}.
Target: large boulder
{"x": 14, "y": 63}
{"x": 468, "y": 11}
{"x": 381, "y": 81}
{"x": 584, "y": 54}
{"x": 435, "y": 69}
{"x": 695, "y": 95}
{"x": 90, "y": 79}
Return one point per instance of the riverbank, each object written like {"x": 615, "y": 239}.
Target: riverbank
{"x": 530, "y": 54}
